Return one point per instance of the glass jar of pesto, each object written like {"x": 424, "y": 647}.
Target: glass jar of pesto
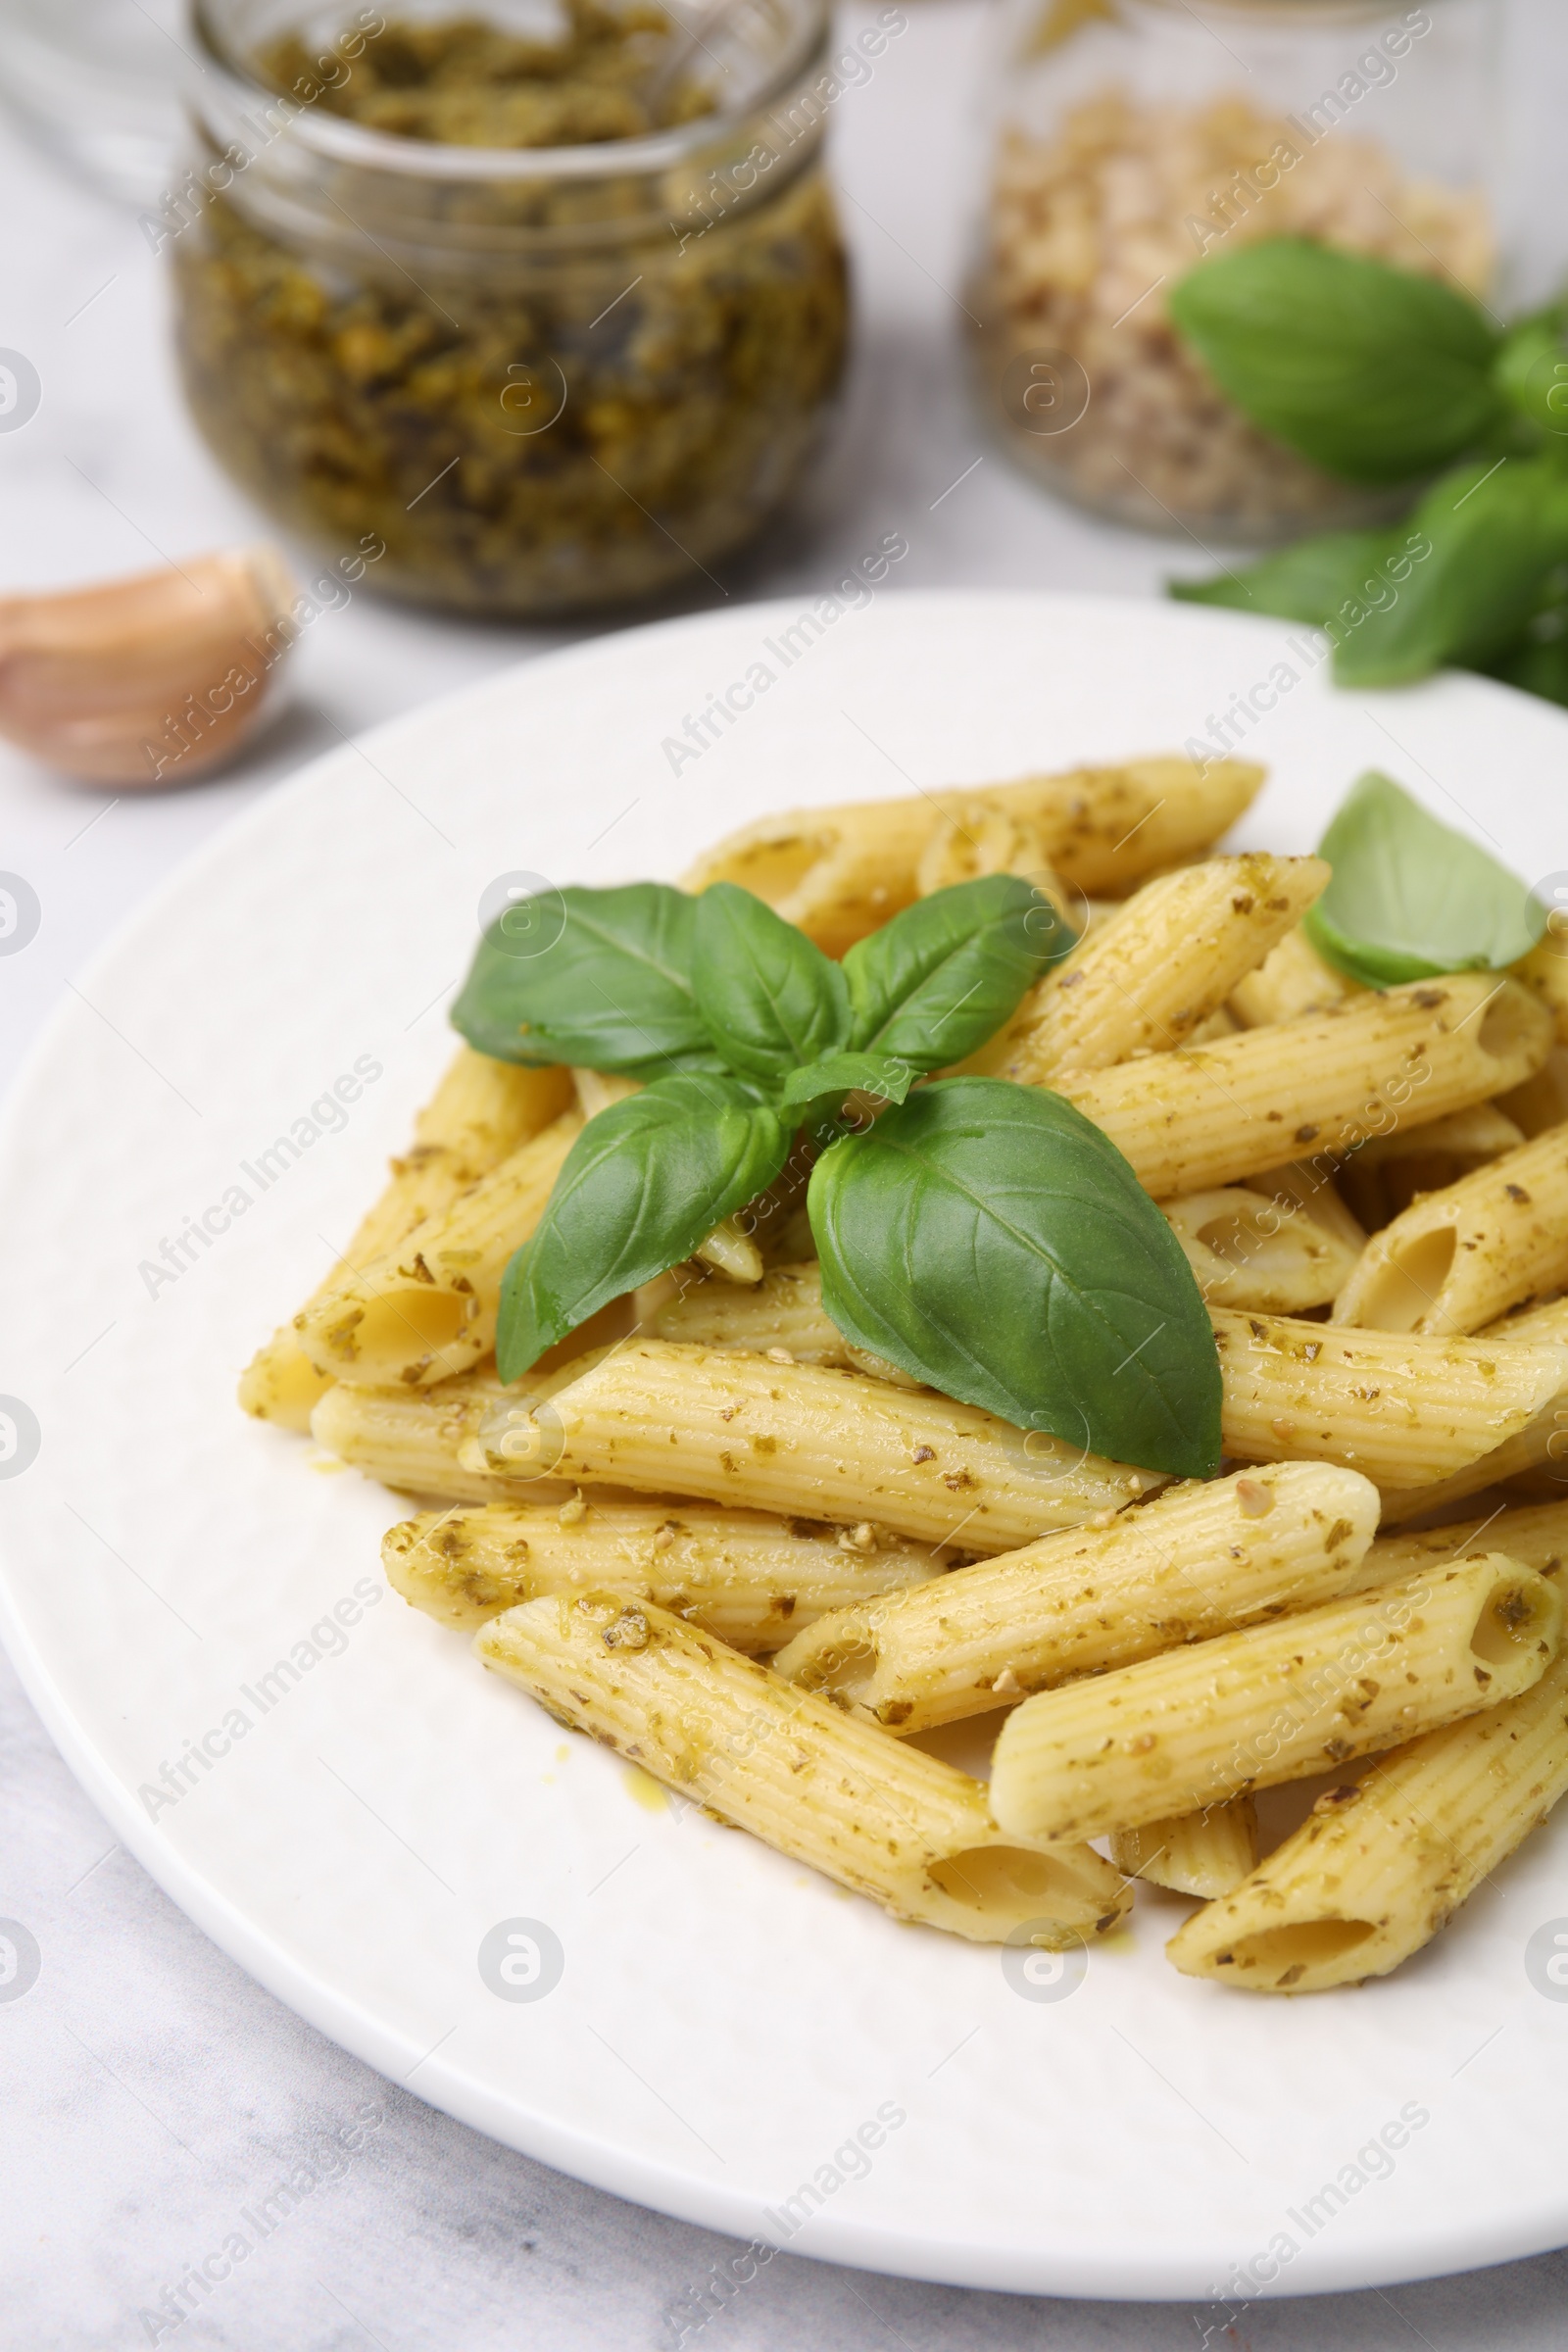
{"x": 551, "y": 307}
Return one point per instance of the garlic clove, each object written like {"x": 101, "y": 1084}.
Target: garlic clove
{"x": 152, "y": 680}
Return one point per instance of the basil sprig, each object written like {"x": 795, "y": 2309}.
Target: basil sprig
{"x": 983, "y": 1235}
{"x": 1381, "y": 375}
{"x": 1410, "y": 897}
{"x": 1374, "y": 373}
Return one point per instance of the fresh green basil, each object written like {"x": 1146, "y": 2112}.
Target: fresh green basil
{"x": 769, "y": 997}
{"x": 1538, "y": 661}
{"x": 989, "y": 1238}
{"x": 1310, "y": 581}
{"x": 1374, "y": 373}
{"x": 932, "y": 984}
{"x": 1532, "y": 369}
{"x": 644, "y": 1183}
{"x": 1496, "y": 531}
{"x": 610, "y": 989}
{"x": 841, "y": 1074}
{"x": 1410, "y": 897}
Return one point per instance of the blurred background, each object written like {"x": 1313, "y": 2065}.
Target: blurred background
{"x": 964, "y": 162}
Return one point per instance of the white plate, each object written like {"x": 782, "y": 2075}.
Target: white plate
{"x": 725, "y": 2020}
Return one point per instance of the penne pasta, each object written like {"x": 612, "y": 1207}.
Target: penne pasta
{"x": 1388, "y": 1171}
{"x": 875, "y": 1816}
{"x": 481, "y": 1111}
{"x": 426, "y": 1310}
{"x": 1380, "y": 1865}
{"x": 783, "y": 1314}
{"x": 1405, "y": 1409}
{"x": 1200, "y": 1560}
{"x": 410, "y": 1437}
{"x": 1535, "y": 1536}
{"x": 836, "y": 873}
{"x": 1542, "y": 1101}
{"x": 752, "y": 1581}
{"x": 1215, "y": 1113}
{"x": 1545, "y": 972}
{"x": 800, "y": 1437}
{"x": 1461, "y": 1258}
{"x": 1290, "y": 981}
{"x": 1206, "y": 1855}
{"x": 840, "y": 872}
{"x": 1248, "y": 1251}
{"x": 1144, "y": 982}
{"x": 1277, "y": 1702}
{"x": 1541, "y": 1447}
{"x": 1102, "y": 830}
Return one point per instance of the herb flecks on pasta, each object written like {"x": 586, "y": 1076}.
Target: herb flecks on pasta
{"x": 816, "y": 1302}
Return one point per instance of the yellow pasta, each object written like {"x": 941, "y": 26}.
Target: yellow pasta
{"x": 739, "y": 1430}
{"x": 1207, "y": 1853}
{"x": 481, "y": 1111}
{"x": 1458, "y": 1259}
{"x": 1545, "y": 972}
{"x": 1382, "y": 1179}
{"x": 1319, "y": 1086}
{"x": 1248, "y": 1251}
{"x": 1541, "y": 1447}
{"x": 751, "y": 1580}
{"x": 1405, "y": 1409}
{"x": 1144, "y": 982}
{"x": 427, "y": 1309}
{"x": 409, "y": 1438}
{"x": 1277, "y": 1702}
{"x": 1198, "y": 1560}
{"x": 1382, "y": 1863}
{"x": 840, "y": 872}
{"x": 1542, "y": 1101}
{"x": 1102, "y": 830}
{"x": 1290, "y": 981}
{"x": 1535, "y": 1536}
{"x": 876, "y": 1816}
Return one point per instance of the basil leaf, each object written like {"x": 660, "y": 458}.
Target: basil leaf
{"x": 1308, "y": 582}
{"x": 841, "y": 1074}
{"x": 769, "y": 996}
{"x": 1496, "y": 534}
{"x": 609, "y": 988}
{"x": 989, "y": 1238}
{"x": 1410, "y": 897}
{"x": 1532, "y": 369}
{"x": 943, "y": 976}
{"x": 1537, "y": 664}
{"x": 644, "y": 1183}
{"x": 1376, "y": 374}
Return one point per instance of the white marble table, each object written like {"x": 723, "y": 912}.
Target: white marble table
{"x": 152, "y": 2092}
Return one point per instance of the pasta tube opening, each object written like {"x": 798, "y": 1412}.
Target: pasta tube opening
{"x": 1288, "y": 1953}
{"x": 1006, "y": 1886}
{"x": 1515, "y": 1617}
{"x": 1403, "y": 1290}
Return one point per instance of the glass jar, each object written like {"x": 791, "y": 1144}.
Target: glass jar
{"x": 1133, "y": 138}
{"x": 521, "y": 381}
